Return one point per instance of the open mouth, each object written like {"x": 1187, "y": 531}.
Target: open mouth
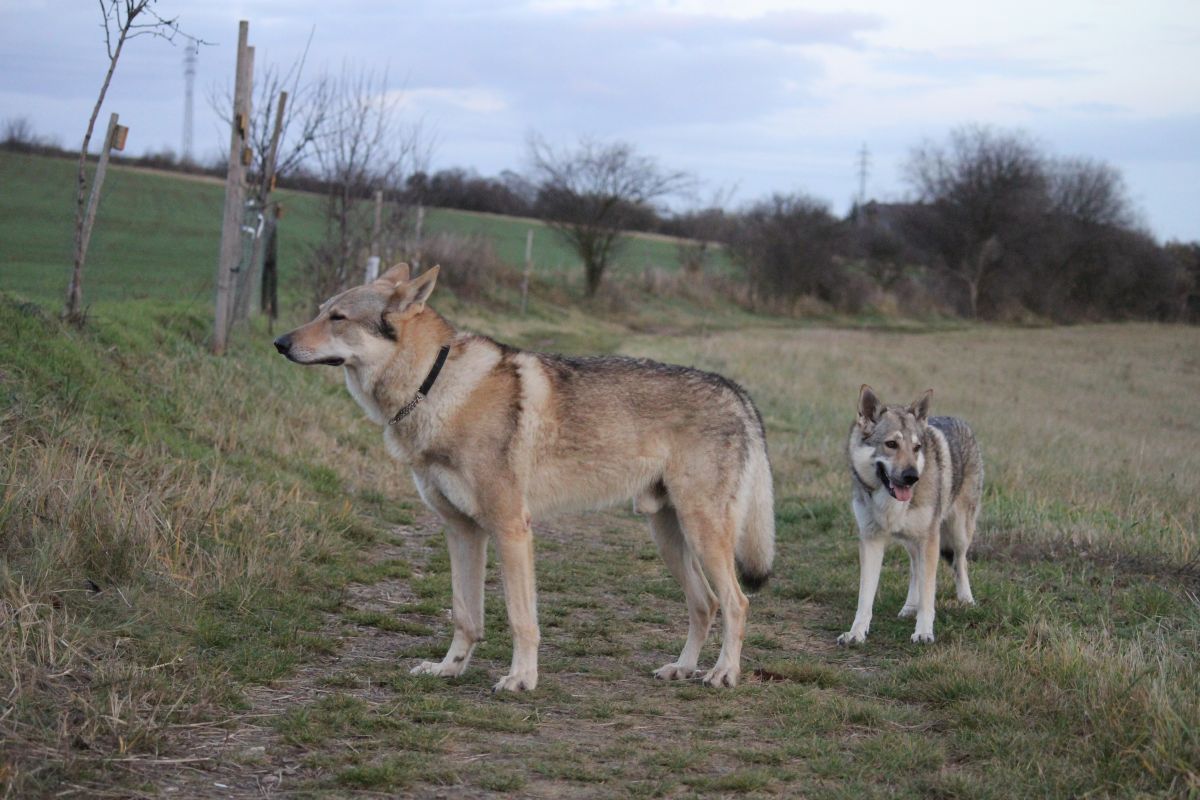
{"x": 901, "y": 493}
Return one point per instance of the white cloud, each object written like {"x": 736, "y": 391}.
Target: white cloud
{"x": 477, "y": 100}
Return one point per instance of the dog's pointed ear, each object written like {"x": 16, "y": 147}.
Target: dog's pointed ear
{"x": 868, "y": 406}
{"x": 409, "y": 297}
{"x": 399, "y": 273}
{"x": 920, "y": 406}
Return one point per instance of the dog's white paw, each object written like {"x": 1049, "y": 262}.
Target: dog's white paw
{"x": 966, "y": 600}
{"x": 438, "y": 668}
{"x": 517, "y": 682}
{"x": 852, "y": 637}
{"x": 907, "y": 611}
{"x": 675, "y": 672}
{"x": 721, "y": 677}
{"x": 923, "y": 638}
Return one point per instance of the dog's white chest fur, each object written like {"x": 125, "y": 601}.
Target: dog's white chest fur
{"x": 878, "y": 514}
{"x": 363, "y": 397}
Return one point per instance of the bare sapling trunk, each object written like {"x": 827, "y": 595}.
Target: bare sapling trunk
{"x": 71, "y": 310}
{"x": 121, "y": 20}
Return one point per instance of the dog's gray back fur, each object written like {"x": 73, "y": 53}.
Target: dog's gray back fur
{"x": 964, "y": 452}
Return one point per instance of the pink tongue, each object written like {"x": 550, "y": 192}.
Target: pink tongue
{"x": 903, "y": 493}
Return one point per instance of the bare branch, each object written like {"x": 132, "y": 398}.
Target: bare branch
{"x": 589, "y": 195}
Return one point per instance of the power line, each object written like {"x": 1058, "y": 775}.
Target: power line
{"x": 864, "y": 167}
{"x": 189, "y": 79}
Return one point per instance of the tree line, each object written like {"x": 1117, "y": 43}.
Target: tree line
{"x": 995, "y": 227}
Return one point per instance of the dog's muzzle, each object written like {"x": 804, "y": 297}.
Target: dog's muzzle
{"x": 284, "y": 345}
{"x": 901, "y": 488}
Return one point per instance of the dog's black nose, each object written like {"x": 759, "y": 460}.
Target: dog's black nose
{"x": 909, "y": 476}
{"x": 284, "y": 343}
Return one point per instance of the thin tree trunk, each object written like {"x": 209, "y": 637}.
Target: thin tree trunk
{"x": 75, "y": 288}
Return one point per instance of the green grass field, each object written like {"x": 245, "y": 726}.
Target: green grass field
{"x": 213, "y": 580}
{"x": 156, "y": 235}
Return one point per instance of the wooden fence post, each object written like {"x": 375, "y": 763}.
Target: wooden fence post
{"x": 231, "y": 254}
{"x": 114, "y": 138}
{"x": 528, "y": 270}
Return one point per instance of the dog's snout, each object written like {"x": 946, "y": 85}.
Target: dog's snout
{"x": 284, "y": 343}
{"x": 910, "y": 476}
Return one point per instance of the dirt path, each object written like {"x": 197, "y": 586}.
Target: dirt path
{"x": 610, "y": 615}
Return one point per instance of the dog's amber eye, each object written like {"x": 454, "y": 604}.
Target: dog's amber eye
{"x": 916, "y": 448}
{"x": 891, "y": 445}
{"x": 335, "y": 316}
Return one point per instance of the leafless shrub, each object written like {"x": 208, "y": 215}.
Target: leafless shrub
{"x": 469, "y": 264}
{"x": 787, "y": 245}
{"x": 361, "y": 147}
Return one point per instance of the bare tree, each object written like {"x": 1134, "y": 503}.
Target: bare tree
{"x": 18, "y": 134}
{"x": 1090, "y": 222}
{"x": 123, "y": 20}
{"x": 1090, "y": 192}
{"x": 986, "y": 194}
{"x": 588, "y": 195}
{"x": 360, "y": 148}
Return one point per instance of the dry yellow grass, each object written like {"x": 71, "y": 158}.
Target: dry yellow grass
{"x": 1089, "y": 433}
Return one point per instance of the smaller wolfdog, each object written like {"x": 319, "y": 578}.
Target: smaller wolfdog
{"x": 920, "y": 479}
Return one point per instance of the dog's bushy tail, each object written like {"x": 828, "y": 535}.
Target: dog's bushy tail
{"x": 755, "y": 549}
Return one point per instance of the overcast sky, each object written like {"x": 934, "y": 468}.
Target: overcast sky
{"x": 759, "y": 96}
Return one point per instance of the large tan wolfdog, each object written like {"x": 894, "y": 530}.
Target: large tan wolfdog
{"x": 918, "y": 479}
{"x": 496, "y": 436}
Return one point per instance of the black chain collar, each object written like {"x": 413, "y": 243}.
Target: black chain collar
{"x": 408, "y": 407}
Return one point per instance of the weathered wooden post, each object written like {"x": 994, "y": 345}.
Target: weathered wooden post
{"x": 231, "y": 256}
{"x": 114, "y": 139}
{"x": 528, "y": 270}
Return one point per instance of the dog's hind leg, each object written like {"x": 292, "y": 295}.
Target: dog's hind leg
{"x": 910, "y": 602}
{"x": 955, "y": 531}
{"x": 701, "y": 602}
{"x": 467, "y": 544}
{"x": 710, "y": 535}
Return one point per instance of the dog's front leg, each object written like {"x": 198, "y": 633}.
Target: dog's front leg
{"x": 870, "y": 564}
{"x": 468, "y": 562}
{"x": 926, "y": 563}
{"x": 514, "y": 542}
